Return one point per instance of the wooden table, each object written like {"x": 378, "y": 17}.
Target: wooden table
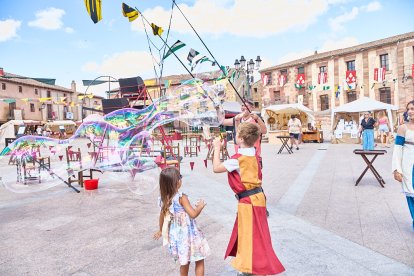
{"x": 284, "y": 139}
{"x": 312, "y": 135}
{"x": 364, "y": 154}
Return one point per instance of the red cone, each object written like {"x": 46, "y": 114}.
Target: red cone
{"x": 192, "y": 165}
{"x": 205, "y": 162}
{"x": 60, "y": 157}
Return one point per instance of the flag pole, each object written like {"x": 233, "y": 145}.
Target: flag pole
{"x": 215, "y": 60}
{"x": 165, "y": 43}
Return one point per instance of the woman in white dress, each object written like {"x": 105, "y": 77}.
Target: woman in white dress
{"x": 403, "y": 158}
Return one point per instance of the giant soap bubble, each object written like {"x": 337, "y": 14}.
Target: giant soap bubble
{"x": 119, "y": 145}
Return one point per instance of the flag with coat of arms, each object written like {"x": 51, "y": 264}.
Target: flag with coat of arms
{"x": 300, "y": 80}
{"x": 351, "y": 76}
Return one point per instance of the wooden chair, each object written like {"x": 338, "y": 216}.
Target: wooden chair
{"x": 171, "y": 157}
{"x": 27, "y": 170}
{"x": 44, "y": 161}
{"x": 73, "y": 157}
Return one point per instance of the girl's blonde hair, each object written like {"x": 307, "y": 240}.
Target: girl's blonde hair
{"x": 381, "y": 114}
{"x": 169, "y": 179}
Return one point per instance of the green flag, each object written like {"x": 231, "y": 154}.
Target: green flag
{"x": 175, "y": 47}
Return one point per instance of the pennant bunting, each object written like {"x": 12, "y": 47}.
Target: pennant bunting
{"x": 311, "y": 87}
{"x": 191, "y": 55}
{"x": 129, "y": 12}
{"x": 338, "y": 89}
{"x": 298, "y": 86}
{"x": 93, "y": 82}
{"x": 9, "y": 100}
{"x": 94, "y": 9}
{"x": 42, "y": 100}
{"x": 175, "y": 47}
{"x": 379, "y": 74}
{"x": 167, "y": 83}
{"x": 326, "y": 87}
{"x": 156, "y": 30}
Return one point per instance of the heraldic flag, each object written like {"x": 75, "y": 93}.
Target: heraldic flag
{"x": 129, "y": 12}
{"x": 94, "y": 9}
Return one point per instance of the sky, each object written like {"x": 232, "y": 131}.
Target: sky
{"x": 57, "y": 39}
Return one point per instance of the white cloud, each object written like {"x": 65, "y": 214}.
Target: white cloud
{"x": 122, "y": 65}
{"x": 371, "y": 7}
{"x": 328, "y": 45}
{"x": 257, "y": 18}
{"x": 49, "y": 19}
{"x": 336, "y": 23}
{"x": 8, "y": 29}
{"x": 345, "y": 42}
{"x": 69, "y": 30}
{"x": 295, "y": 55}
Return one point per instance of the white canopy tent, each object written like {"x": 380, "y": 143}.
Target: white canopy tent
{"x": 364, "y": 104}
{"x": 294, "y": 108}
{"x": 8, "y": 129}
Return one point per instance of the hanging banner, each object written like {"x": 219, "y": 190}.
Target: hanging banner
{"x": 322, "y": 78}
{"x": 282, "y": 80}
{"x": 379, "y": 74}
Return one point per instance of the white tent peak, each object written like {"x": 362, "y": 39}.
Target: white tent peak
{"x": 364, "y": 104}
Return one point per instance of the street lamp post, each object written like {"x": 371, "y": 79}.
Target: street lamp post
{"x": 248, "y": 69}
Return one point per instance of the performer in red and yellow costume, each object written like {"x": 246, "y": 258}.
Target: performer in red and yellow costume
{"x": 250, "y": 242}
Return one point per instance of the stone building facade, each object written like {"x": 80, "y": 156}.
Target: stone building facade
{"x": 23, "y": 99}
{"x": 325, "y": 74}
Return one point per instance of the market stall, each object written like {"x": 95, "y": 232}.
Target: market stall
{"x": 276, "y": 118}
{"x": 60, "y": 127}
{"x": 12, "y": 127}
{"x": 345, "y": 119}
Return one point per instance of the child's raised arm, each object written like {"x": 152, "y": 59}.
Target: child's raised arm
{"x": 193, "y": 213}
{"x": 218, "y": 166}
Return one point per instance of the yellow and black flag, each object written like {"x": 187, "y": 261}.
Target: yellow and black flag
{"x": 129, "y": 12}
{"x": 156, "y": 30}
{"x": 94, "y": 9}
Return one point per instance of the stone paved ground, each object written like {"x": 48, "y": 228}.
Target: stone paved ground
{"x": 321, "y": 224}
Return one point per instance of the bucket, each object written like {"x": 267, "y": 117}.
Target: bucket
{"x": 90, "y": 184}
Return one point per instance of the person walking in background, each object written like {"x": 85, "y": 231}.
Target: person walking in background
{"x": 295, "y": 128}
{"x": 186, "y": 243}
{"x": 367, "y": 129}
{"x": 403, "y": 158}
{"x": 384, "y": 128}
{"x": 250, "y": 242}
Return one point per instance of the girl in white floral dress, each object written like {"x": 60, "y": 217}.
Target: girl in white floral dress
{"x": 186, "y": 243}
